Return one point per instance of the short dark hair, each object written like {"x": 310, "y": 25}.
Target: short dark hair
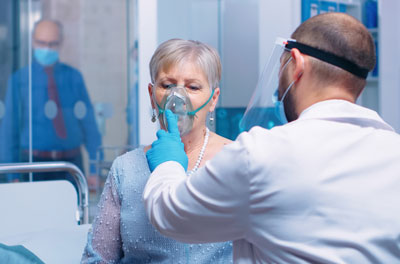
{"x": 344, "y": 36}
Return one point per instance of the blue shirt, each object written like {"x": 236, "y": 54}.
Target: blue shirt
{"x": 77, "y": 112}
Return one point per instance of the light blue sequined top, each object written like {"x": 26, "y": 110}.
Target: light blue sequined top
{"x": 122, "y": 233}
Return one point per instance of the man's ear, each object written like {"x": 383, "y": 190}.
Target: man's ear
{"x": 150, "y": 89}
{"x": 298, "y": 60}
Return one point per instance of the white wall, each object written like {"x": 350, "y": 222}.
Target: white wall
{"x": 173, "y": 19}
{"x": 277, "y": 19}
{"x": 389, "y": 60}
{"x": 204, "y": 22}
{"x": 188, "y": 19}
{"x": 240, "y": 56}
{"x": 147, "y": 36}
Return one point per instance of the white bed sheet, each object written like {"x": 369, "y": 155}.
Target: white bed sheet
{"x": 53, "y": 245}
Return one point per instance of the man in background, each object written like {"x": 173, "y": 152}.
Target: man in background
{"x": 61, "y": 111}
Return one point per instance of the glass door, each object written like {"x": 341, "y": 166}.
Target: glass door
{"x": 68, "y": 84}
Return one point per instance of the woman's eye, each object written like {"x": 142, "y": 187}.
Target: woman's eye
{"x": 167, "y": 85}
{"x": 194, "y": 87}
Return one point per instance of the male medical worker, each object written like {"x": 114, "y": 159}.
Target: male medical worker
{"x": 324, "y": 188}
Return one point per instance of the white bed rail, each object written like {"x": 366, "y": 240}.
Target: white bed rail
{"x": 83, "y": 191}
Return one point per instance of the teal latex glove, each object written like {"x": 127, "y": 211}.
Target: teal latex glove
{"x": 168, "y": 146}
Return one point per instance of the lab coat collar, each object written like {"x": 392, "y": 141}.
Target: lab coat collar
{"x": 344, "y": 111}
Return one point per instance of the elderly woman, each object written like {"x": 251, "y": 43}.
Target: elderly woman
{"x": 185, "y": 76}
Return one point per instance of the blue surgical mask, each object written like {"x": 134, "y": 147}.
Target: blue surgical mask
{"x": 279, "y": 107}
{"x": 278, "y": 104}
{"x": 46, "y": 57}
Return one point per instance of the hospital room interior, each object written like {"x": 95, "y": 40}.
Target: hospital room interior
{"x": 50, "y": 189}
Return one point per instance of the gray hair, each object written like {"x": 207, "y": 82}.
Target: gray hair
{"x": 175, "y": 51}
{"x": 56, "y": 22}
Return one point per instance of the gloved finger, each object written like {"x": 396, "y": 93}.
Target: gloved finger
{"x": 172, "y": 121}
{"x": 161, "y": 133}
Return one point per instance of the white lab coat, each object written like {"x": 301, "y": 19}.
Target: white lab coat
{"x": 322, "y": 189}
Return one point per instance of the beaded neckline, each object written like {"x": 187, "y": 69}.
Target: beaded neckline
{"x": 201, "y": 154}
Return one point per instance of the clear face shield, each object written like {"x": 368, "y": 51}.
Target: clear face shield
{"x": 176, "y": 99}
{"x": 268, "y": 112}
{"x": 265, "y": 108}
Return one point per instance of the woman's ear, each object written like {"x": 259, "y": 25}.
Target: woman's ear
{"x": 214, "y": 100}
{"x": 150, "y": 88}
{"x": 298, "y": 60}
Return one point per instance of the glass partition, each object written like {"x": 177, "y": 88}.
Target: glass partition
{"x": 68, "y": 84}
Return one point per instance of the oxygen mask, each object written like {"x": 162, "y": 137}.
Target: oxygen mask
{"x": 177, "y": 100}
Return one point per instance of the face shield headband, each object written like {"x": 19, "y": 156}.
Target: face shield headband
{"x": 330, "y": 58}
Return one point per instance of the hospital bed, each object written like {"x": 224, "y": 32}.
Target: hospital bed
{"x": 49, "y": 218}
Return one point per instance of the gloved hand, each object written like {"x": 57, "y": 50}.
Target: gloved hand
{"x": 168, "y": 146}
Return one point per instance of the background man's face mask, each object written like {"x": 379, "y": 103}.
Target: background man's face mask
{"x": 177, "y": 100}
{"x": 45, "y": 56}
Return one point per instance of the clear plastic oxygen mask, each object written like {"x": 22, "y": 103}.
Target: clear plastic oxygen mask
{"x": 179, "y": 103}
{"x": 176, "y": 99}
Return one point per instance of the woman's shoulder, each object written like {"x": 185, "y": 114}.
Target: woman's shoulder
{"x": 131, "y": 166}
{"x": 134, "y": 159}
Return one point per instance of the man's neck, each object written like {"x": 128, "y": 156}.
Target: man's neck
{"x": 320, "y": 94}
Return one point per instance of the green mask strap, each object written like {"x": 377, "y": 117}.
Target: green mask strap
{"x": 160, "y": 110}
{"x": 192, "y": 113}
